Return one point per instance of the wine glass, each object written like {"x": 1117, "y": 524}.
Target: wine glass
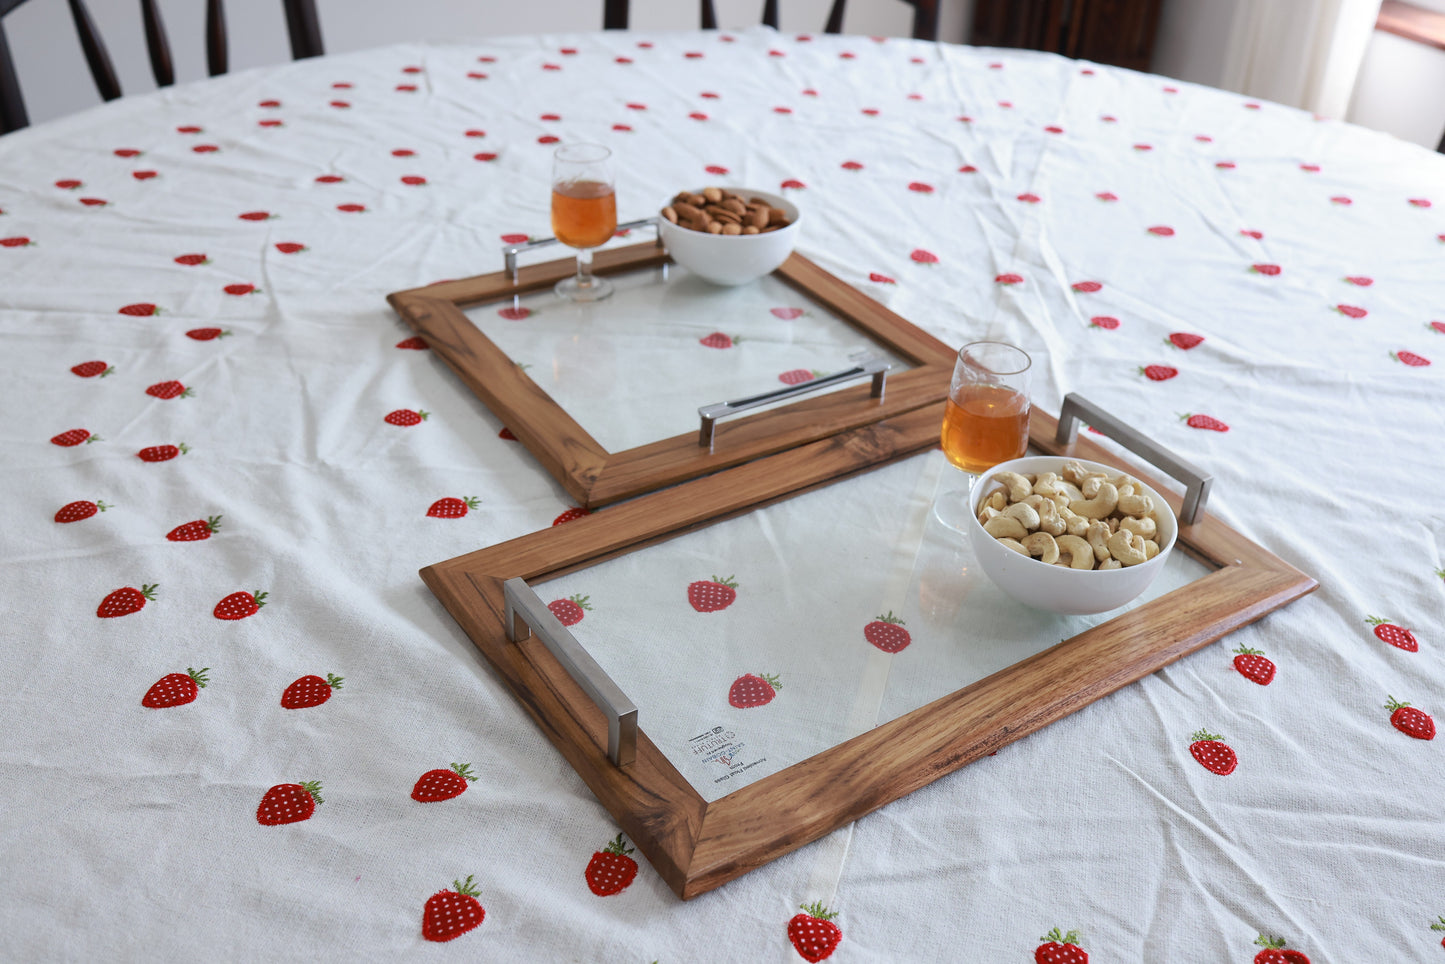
{"x": 985, "y": 421}
{"x": 584, "y": 213}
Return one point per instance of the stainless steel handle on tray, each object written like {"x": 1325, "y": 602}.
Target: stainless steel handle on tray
{"x": 511, "y": 251}
{"x": 525, "y": 613}
{"x": 1196, "y": 481}
{"x": 877, "y": 367}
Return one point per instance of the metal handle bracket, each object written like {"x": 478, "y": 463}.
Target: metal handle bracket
{"x": 510, "y": 251}
{"x": 876, "y": 367}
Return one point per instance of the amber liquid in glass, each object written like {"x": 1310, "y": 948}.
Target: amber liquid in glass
{"x": 584, "y": 213}
{"x": 984, "y": 425}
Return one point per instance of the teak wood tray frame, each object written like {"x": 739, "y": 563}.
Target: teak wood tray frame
{"x": 593, "y": 475}
{"x": 695, "y": 845}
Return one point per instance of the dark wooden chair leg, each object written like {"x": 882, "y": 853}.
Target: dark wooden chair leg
{"x": 217, "y": 55}
{"x": 770, "y": 13}
{"x": 304, "y": 28}
{"x": 925, "y": 20}
{"x": 709, "y": 16}
{"x": 835, "y": 17}
{"x": 614, "y": 14}
{"x": 95, "y": 53}
{"x": 12, "y": 107}
{"x": 157, "y": 45}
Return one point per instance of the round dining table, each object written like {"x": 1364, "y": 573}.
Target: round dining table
{"x": 239, "y": 727}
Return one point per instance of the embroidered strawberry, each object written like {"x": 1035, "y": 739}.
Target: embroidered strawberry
{"x": 1420, "y": 202}
{"x": 1225, "y": 165}
{"x": 515, "y": 313}
{"x": 1410, "y": 358}
{"x": 851, "y": 166}
{"x": 1410, "y": 721}
{"x": 788, "y": 314}
{"x": 968, "y": 169}
{"x": 289, "y": 803}
{"x": 1274, "y": 952}
{"x": 175, "y": 689}
{"x": 241, "y": 289}
{"x": 1158, "y": 373}
{"x": 205, "y": 149}
{"x": 73, "y": 437}
{"x": 1030, "y": 198}
{"x": 749, "y": 690}
{"x": 798, "y": 376}
{"x": 506, "y": 433}
{"x": 76, "y": 511}
{"x": 69, "y": 184}
{"x": 351, "y": 208}
{"x": 126, "y": 600}
{"x": 881, "y": 279}
{"x": 195, "y": 530}
{"x": 1360, "y": 280}
{"x": 141, "y": 309}
{"x": 145, "y": 175}
{"x": 1008, "y": 279}
{"x": 1107, "y": 196}
{"x": 261, "y": 215}
{"x": 1257, "y": 235}
{"x": 918, "y": 187}
{"x": 162, "y": 453}
{"x": 611, "y": 870}
{"x": 405, "y": 417}
{"x": 310, "y": 691}
{"x": 923, "y": 256}
{"x": 449, "y": 914}
{"x": 239, "y": 605}
{"x": 813, "y": 933}
{"x": 792, "y": 184}
{"x": 450, "y": 508}
{"x": 710, "y": 596}
{"x": 887, "y": 633}
{"x": 718, "y": 340}
{"x": 191, "y": 260}
{"x": 569, "y": 611}
{"x": 1106, "y": 322}
{"x": 92, "y": 368}
{"x": 1439, "y": 927}
{"x": 1253, "y": 665}
{"x": 1342, "y": 200}
{"x": 1388, "y": 632}
{"x": 207, "y": 334}
{"x": 576, "y": 512}
{"x": 413, "y": 180}
{"x": 1204, "y": 422}
{"x": 16, "y": 243}
{"x": 1212, "y": 753}
{"x": 126, "y": 152}
{"x": 416, "y": 343}
{"x": 717, "y": 169}
{"x": 169, "y": 389}
{"x": 436, "y": 785}
{"x": 1162, "y": 231}
{"x": 94, "y": 202}
{"x": 1086, "y": 287}
{"x": 1060, "y": 948}
{"x": 1184, "y": 340}
{"x": 1438, "y": 326}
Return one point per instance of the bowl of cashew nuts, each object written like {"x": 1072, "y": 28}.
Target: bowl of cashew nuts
{"x": 1069, "y": 536}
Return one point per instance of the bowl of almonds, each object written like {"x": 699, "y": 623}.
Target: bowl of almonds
{"x": 1069, "y": 536}
{"x": 729, "y": 235}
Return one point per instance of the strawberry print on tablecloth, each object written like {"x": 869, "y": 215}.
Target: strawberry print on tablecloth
{"x": 1213, "y": 753}
{"x": 1387, "y": 632}
{"x": 436, "y": 785}
{"x": 1057, "y": 947}
{"x": 175, "y": 689}
{"x": 1275, "y": 952}
{"x": 1411, "y": 721}
{"x": 289, "y": 803}
{"x": 310, "y": 690}
{"x": 712, "y": 595}
{"x": 448, "y": 914}
{"x": 1254, "y": 666}
{"x": 753, "y": 689}
{"x": 813, "y": 933}
{"x": 239, "y": 605}
{"x": 80, "y": 510}
{"x": 126, "y": 600}
{"x": 611, "y": 870}
{"x": 570, "y": 611}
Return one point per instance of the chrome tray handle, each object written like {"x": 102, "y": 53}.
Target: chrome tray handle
{"x": 876, "y": 367}
{"x": 510, "y": 251}
{"x": 1196, "y": 481}
{"x": 526, "y": 612}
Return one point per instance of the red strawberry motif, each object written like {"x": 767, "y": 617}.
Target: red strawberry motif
{"x": 195, "y": 530}
{"x": 351, "y": 208}
{"x": 239, "y": 605}
{"x": 489, "y": 156}
{"x": 548, "y": 138}
{"x": 192, "y": 259}
{"x": 1420, "y": 202}
{"x": 1225, "y": 165}
{"x": 797, "y": 376}
{"x": 851, "y": 166}
{"x": 450, "y": 508}
{"x": 140, "y": 310}
{"x": 1204, "y": 422}
{"x": 1274, "y": 952}
{"x": 514, "y": 313}
{"x": 1030, "y": 198}
{"x": 793, "y": 184}
{"x": 259, "y": 215}
{"x": 1438, "y": 326}
{"x": 918, "y": 187}
{"x": 289, "y": 803}
{"x": 69, "y": 184}
{"x": 1410, "y": 721}
{"x": 515, "y": 238}
{"x": 1213, "y": 754}
{"x": 870, "y": 112}
{"x": 1439, "y": 927}
{"x": 1204, "y": 138}
{"x": 1410, "y": 358}
{"x": 175, "y": 689}
{"x": 1143, "y": 147}
{"x": 751, "y": 690}
{"x": 76, "y": 511}
{"x": 1105, "y": 322}
{"x": 327, "y": 179}
{"x": 1360, "y": 280}
{"x": 697, "y": 115}
{"x": 1253, "y": 665}
{"x": 144, "y": 175}
{"x": 94, "y": 202}
{"x": 887, "y": 633}
{"x": 449, "y": 914}
{"x": 788, "y": 314}
{"x": 1341, "y": 200}
{"x": 718, "y": 340}
{"x": 126, "y": 600}
{"x": 189, "y": 129}
{"x": 611, "y": 870}
{"x": 711, "y": 596}
{"x": 170, "y": 389}
{"x": 506, "y": 433}
{"x": 881, "y": 279}
{"x": 1184, "y": 340}
{"x": 15, "y": 242}
{"x": 162, "y": 453}
{"x": 1060, "y": 948}
{"x": 1087, "y": 287}
{"x": 437, "y": 785}
{"x": 1269, "y": 270}
{"x": 1054, "y": 129}
{"x": 205, "y": 149}
{"x": 1388, "y": 632}
{"x": 569, "y": 611}
{"x": 310, "y": 691}
{"x": 1107, "y": 196}
{"x": 405, "y": 417}
{"x": 813, "y": 933}
{"x": 126, "y": 152}
{"x": 207, "y": 334}
{"x": 717, "y": 169}
{"x": 1310, "y": 168}
{"x": 92, "y": 368}
{"x": 923, "y": 257}
{"x": 1008, "y": 279}
{"x": 1351, "y": 311}
{"x": 572, "y": 514}
{"x": 1158, "y": 373}
{"x": 968, "y": 169}
{"x": 1162, "y": 230}
{"x": 413, "y": 180}
{"x": 1257, "y": 235}
{"x": 73, "y": 437}
{"x": 290, "y": 247}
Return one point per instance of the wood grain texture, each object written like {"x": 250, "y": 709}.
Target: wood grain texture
{"x": 697, "y": 846}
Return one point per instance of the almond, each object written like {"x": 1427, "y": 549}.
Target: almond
{"x": 713, "y": 194}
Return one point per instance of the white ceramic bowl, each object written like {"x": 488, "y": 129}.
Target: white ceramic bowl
{"x": 1056, "y": 588}
{"x": 733, "y": 259}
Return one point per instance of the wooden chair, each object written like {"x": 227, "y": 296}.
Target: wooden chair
{"x": 301, "y": 23}
{"x": 925, "y": 16}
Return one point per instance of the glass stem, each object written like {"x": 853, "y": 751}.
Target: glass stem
{"x": 584, "y": 268}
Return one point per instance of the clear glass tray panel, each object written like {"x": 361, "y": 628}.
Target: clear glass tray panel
{"x": 812, "y": 573}
{"x": 634, "y": 368}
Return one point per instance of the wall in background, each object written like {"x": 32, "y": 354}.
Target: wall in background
{"x": 1401, "y": 88}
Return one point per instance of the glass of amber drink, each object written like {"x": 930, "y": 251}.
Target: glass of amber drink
{"x": 584, "y": 213}
{"x": 985, "y": 421}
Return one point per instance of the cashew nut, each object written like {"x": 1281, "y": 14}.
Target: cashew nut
{"x": 1042, "y": 544}
{"x": 1015, "y": 545}
{"x": 1005, "y": 527}
{"x": 1111, "y": 563}
{"x": 1047, "y": 484}
{"x": 1098, "y": 535}
{"x": 1070, "y": 491}
{"x": 1151, "y": 548}
{"x": 1100, "y": 505}
{"x": 1127, "y": 547}
{"x": 997, "y": 501}
{"x": 1025, "y": 514}
{"x": 1081, "y": 554}
{"x": 1074, "y": 472}
{"x": 1018, "y": 486}
{"x": 1090, "y": 483}
{"x": 1050, "y": 520}
{"x": 986, "y": 513}
{"x": 1145, "y": 527}
{"x": 1074, "y": 524}
{"x": 1034, "y": 501}
{"x": 1125, "y": 488}
{"x": 1135, "y": 505}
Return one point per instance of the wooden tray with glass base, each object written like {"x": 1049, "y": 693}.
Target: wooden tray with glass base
{"x": 623, "y": 397}
{"x": 698, "y": 836}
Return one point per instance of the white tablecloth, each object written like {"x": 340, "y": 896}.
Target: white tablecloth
{"x": 1087, "y": 213}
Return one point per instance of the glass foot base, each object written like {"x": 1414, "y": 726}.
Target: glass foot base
{"x": 594, "y": 289}
{"x": 951, "y": 504}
